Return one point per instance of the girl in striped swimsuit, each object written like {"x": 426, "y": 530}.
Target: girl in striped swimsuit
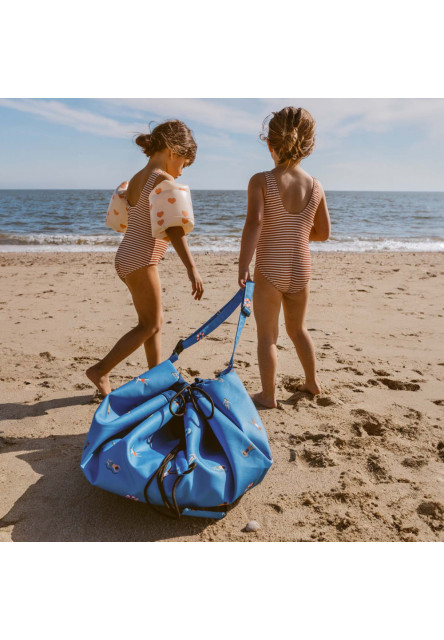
{"x": 286, "y": 210}
{"x": 170, "y": 147}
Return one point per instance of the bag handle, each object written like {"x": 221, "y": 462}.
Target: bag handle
{"x": 243, "y": 297}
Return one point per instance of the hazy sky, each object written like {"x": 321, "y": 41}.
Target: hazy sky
{"x": 368, "y": 144}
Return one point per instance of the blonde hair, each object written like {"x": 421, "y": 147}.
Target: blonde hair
{"x": 291, "y": 133}
{"x": 171, "y": 134}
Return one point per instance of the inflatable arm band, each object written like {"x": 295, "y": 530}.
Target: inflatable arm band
{"x": 170, "y": 206}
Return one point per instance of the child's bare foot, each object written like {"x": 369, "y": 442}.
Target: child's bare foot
{"x": 101, "y": 381}
{"x": 312, "y": 388}
{"x": 268, "y": 403}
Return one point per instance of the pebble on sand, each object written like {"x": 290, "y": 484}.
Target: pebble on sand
{"x": 252, "y": 526}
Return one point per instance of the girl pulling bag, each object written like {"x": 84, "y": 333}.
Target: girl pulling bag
{"x": 186, "y": 448}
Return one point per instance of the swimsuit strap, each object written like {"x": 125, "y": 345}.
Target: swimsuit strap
{"x": 148, "y": 186}
{"x": 271, "y": 184}
{"x": 151, "y": 180}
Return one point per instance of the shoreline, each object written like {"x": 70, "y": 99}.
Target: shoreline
{"x": 201, "y": 251}
{"x": 364, "y": 461}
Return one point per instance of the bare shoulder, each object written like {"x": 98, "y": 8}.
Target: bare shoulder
{"x": 258, "y": 182}
{"x": 134, "y": 181}
{"x": 321, "y": 188}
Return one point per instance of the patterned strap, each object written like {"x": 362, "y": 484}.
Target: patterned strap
{"x": 149, "y": 184}
{"x": 243, "y": 297}
{"x": 151, "y": 180}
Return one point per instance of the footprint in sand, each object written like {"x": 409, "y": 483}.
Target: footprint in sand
{"x": 415, "y": 462}
{"x": 324, "y": 401}
{"x": 413, "y": 414}
{"x": 317, "y": 458}
{"x": 341, "y": 524}
{"x": 96, "y": 398}
{"x": 374, "y": 466}
{"x": 276, "y": 507}
{"x": 192, "y": 372}
{"x": 353, "y": 370}
{"x": 368, "y": 423}
{"x": 314, "y": 437}
{"x": 82, "y": 385}
{"x": 433, "y": 514}
{"x": 381, "y": 372}
{"x": 46, "y": 384}
{"x": 398, "y": 385}
{"x": 290, "y": 383}
{"x": 48, "y": 356}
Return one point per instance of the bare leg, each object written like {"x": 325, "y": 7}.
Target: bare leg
{"x": 295, "y": 307}
{"x": 144, "y": 284}
{"x": 153, "y": 350}
{"x": 266, "y": 305}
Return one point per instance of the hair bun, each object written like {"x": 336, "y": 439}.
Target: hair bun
{"x": 144, "y": 140}
{"x": 289, "y": 143}
{"x": 291, "y": 133}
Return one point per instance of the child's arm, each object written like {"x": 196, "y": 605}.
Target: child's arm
{"x": 253, "y": 225}
{"x": 179, "y": 242}
{"x": 320, "y": 230}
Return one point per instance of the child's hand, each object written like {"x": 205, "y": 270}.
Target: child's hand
{"x": 244, "y": 275}
{"x": 196, "y": 282}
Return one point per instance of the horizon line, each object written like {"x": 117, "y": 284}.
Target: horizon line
{"x": 113, "y": 189}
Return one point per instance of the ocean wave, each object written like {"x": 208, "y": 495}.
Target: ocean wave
{"x": 40, "y": 242}
{"x": 358, "y": 245}
{"x": 59, "y": 239}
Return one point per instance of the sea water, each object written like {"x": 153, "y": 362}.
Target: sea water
{"x": 74, "y": 220}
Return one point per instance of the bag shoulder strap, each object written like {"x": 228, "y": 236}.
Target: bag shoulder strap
{"x": 244, "y": 298}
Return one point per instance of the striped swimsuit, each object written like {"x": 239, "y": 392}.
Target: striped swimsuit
{"x": 283, "y": 254}
{"x": 138, "y": 247}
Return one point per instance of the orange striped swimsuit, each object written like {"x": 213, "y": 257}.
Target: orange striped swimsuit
{"x": 283, "y": 254}
{"x": 138, "y": 247}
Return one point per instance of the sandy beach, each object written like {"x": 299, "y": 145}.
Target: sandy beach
{"x": 362, "y": 462}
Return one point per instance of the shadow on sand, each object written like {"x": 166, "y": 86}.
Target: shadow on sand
{"x": 63, "y": 506}
{"x": 17, "y": 410}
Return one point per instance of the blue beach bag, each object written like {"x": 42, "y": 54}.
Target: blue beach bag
{"x": 186, "y": 449}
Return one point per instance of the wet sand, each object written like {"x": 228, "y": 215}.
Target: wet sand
{"x": 362, "y": 462}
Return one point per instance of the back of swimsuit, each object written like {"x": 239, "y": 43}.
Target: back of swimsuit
{"x": 138, "y": 247}
{"x": 283, "y": 254}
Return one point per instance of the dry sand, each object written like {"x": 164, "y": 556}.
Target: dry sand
{"x": 364, "y": 461}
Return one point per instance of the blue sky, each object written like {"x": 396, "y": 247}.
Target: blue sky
{"x": 362, "y": 144}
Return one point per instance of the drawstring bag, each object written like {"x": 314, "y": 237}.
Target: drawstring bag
{"x": 117, "y": 214}
{"x": 184, "y": 448}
